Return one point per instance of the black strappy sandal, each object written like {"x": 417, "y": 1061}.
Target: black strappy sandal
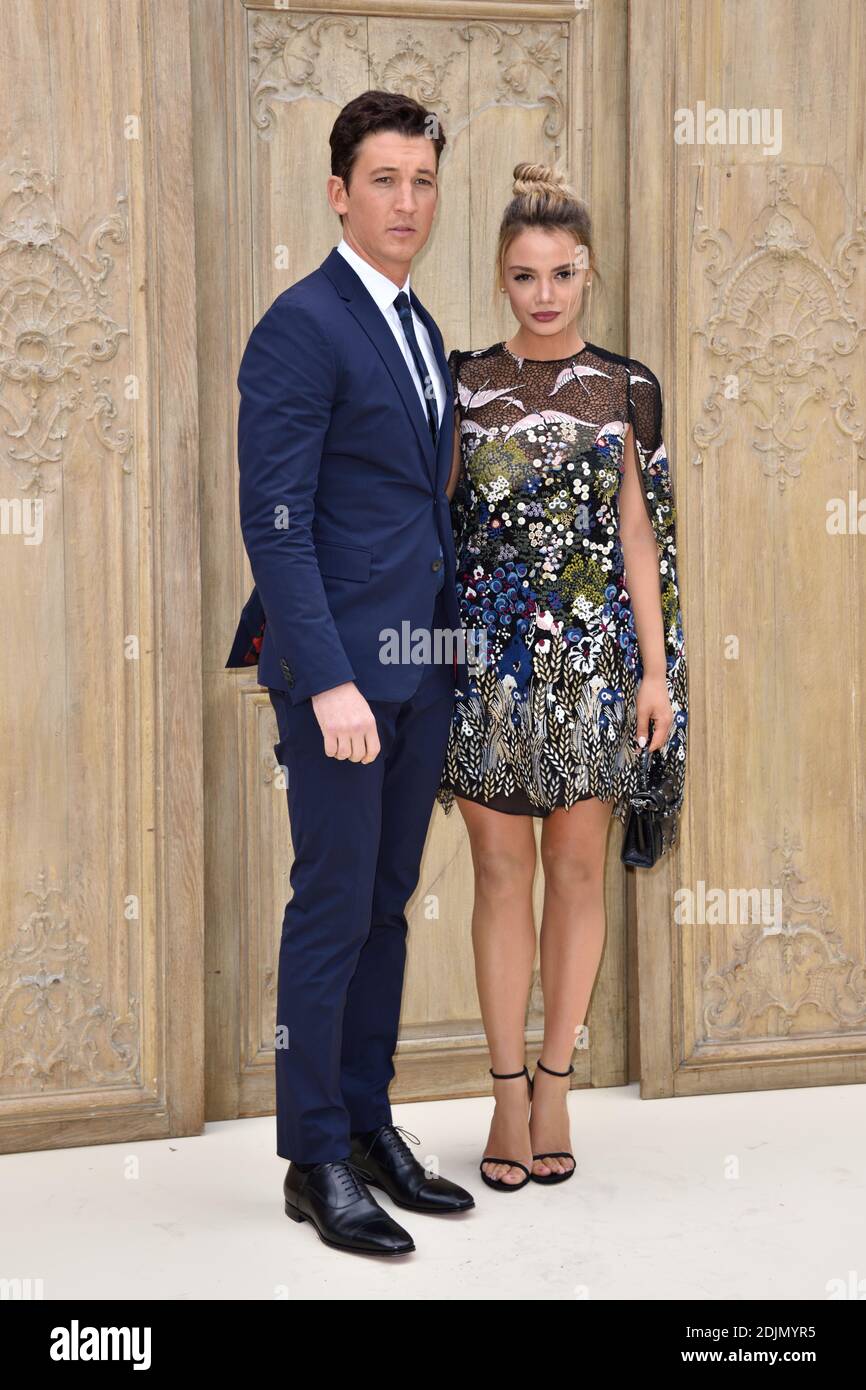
{"x": 552, "y": 1176}
{"x": 499, "y": 1183}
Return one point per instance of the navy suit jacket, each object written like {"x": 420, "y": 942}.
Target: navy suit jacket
{"x": 342, "y": 494}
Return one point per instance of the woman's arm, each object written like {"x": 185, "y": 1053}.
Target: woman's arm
{"x": 641, "y": 560}
{"x": 455, "y": 461}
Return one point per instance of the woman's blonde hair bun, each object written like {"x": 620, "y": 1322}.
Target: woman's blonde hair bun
{"x": 541, "y": 178}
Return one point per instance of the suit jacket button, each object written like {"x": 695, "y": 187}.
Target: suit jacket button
{"x": 286, "y": 670}
{"x": 436, "y": 565}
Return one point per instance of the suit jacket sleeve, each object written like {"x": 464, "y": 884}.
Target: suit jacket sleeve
{"x": 287, "y": 382}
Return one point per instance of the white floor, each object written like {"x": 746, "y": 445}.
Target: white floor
{"x": 745, "y": 1196}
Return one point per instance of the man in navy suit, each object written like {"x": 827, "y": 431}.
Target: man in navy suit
{"x": 345, "y": 445}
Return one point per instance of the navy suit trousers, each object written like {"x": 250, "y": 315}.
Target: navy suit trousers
{"x": 358, "y": 832}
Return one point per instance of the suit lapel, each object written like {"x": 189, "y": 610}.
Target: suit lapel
{"x": 365, "y": 309}
{"x": 445, "y": 435}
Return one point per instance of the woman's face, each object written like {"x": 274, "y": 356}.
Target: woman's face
{"x": 545, "y": 274}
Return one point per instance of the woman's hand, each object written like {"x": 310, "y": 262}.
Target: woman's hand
{"x": 653, "y": 703}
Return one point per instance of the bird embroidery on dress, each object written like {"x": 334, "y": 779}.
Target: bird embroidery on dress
{"x": 574, "y": 373}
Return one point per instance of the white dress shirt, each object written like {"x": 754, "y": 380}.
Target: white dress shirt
{"x": 385, "y": 292}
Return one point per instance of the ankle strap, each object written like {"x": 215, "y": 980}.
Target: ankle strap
{"x": 550, "y": 1070}
{"x": 507, "y": 1075}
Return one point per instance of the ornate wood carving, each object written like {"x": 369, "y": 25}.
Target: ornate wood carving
{"x": 780, "y": 326}
{"x": 54, "y": 327}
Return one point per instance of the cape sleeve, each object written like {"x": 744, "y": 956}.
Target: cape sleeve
{"x": 645, "y": 407}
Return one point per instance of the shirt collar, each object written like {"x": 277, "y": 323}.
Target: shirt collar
{"x": 380, "y": 287}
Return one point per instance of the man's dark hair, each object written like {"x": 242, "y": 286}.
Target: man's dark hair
{"x": 374, "y": 111}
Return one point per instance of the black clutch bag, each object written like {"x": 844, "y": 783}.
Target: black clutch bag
{"x": 650, "y": 827}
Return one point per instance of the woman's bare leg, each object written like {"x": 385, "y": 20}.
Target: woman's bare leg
{"x": 503, "y": 941}
{"x": 573, "y": 845}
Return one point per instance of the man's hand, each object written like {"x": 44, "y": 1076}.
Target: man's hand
{"x": 347, "y": 723}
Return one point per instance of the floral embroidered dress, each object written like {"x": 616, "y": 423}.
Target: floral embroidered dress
{"x": 546, "y": 714}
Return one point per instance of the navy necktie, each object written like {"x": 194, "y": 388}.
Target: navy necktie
{"x": 401, "y": 304}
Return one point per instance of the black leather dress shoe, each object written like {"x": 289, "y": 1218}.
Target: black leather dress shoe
{"x": 346, "y": 1215}
{"x": 385, "y": 1160}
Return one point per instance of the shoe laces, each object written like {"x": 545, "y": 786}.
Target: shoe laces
{"x": 391, "y": 1135}
{"x": 347, "y": 1173}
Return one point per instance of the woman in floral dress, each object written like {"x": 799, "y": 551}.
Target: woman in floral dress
{"x": 560, "y": 487}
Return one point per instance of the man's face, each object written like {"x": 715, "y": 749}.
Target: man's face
{"x": 389, "y": 206}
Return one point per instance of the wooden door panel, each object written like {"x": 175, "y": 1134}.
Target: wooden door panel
{"x": 747, "y": 295}
{"x": 101, "y": 984}
{"x": 509, "y": 82}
